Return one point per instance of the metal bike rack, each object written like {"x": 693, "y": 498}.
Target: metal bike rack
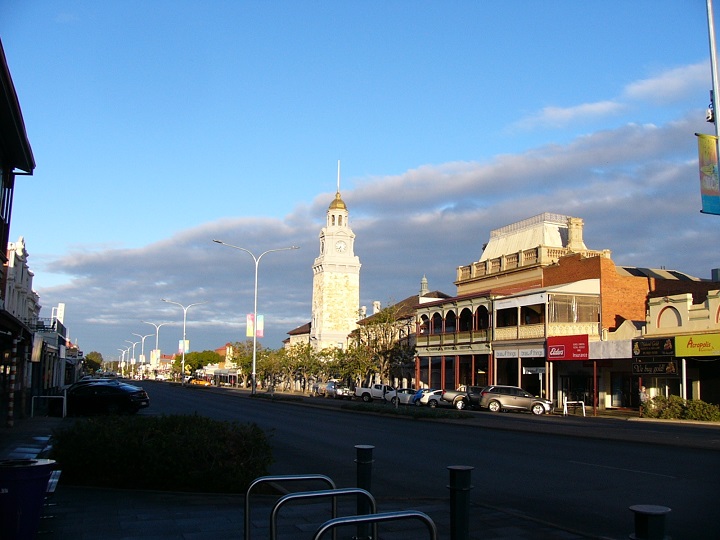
{"x": 377, "y": 518}
{"x": 330, "y": 493}
{"x": 283, "y": 478}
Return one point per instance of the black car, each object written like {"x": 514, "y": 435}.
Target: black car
{"x": 102, "y": 398}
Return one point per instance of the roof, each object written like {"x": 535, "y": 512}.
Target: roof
{"x": 15, "y": 149}
{"x": 546, "y": 229}
{"x": 657, "y": 273}
{"x": 406, "y": 308}
{"x": 300, "y": 330}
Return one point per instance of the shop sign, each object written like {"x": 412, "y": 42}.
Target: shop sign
{"x": 656, "y": 369}
{"x": 653, "y": 347}
{"x": 533, "y": 371}
{"x": 568, "y": 347}
{"x": 519, "y": 353}
{"x": 699, "y": 345}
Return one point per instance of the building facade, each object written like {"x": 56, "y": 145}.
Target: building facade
{"x": 541, "y": 311}
{"x": 336, "y": 281}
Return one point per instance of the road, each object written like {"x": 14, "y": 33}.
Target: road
{"x": 580, "y": 473}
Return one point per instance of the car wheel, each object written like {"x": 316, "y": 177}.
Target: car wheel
{"x": 394, "y": 401}
{"x": 418, "y": 404}
{"x": 538, "y": 409}
{"x": 432, "y": 403}
{"x": 494, "y": 406}
{"x": 460, "y": 404}
{"x": 366, "y": 398}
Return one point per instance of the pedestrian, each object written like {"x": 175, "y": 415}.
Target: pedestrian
{"x": 643, "y": 400}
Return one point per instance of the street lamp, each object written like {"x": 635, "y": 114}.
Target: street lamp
{"x": 257, "y": 262}
{"x": 132, "y": 360}
{"x": 185, "y": 310}
{"x": 122, "y": 360}
{"x": 142, "y": 348}
{"x": 157, "y": 337}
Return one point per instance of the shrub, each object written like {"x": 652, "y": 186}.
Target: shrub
{"x": 676, "y": 408}
{"x": 172, "y": 453}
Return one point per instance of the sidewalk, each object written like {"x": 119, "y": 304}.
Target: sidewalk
{"x": 82, "y": 513}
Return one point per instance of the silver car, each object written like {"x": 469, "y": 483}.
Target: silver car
{"x": 505, "y": 398}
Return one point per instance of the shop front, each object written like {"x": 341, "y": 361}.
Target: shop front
{"x": 699, "y": 365}
{"x": 522, "y": 366}
{"x": 655, "y": 366}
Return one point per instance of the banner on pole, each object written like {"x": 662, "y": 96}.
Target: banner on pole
{"x": 250, "y": 325}
{"x": 709, "y": 180}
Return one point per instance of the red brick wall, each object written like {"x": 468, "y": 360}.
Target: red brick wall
{"x": 621, "y": 297}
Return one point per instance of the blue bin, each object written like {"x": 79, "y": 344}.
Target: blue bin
{"x": 23, "y": 484}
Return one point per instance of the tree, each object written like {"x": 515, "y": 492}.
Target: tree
{"x": 197, "y": 360}
{"x": 242, "y": 359}
{"x": 93, "y": 361}
{"x": 386, "y": 336}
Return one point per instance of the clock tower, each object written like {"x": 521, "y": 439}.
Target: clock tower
{"x": 336, "y": 281}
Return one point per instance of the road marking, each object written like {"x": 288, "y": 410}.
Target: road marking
{"x": 621, "y": 469}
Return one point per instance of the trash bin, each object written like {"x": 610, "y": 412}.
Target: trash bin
{"x": 23, "y": 483}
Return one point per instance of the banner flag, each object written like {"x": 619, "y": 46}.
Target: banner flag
{"x": 709, "y": 181}
{"x": 250, "y": 325}
{"x": 260, "y": 325}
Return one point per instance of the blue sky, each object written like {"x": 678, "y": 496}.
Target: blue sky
{"x": 160, "y": 125}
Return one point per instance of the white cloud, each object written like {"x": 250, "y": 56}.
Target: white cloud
{"x": 635, "y": 187}
{"x": 672, "y": 85}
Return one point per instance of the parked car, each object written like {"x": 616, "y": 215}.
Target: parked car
{"x": 501, "y": 398}
{"x": 420, "y": 393}
{"x": 464, "y": 397}
{"x": 376, "y": 391}
{"x": 337, "y": 390}
{"x": 403, "y": 396}
{"x": 100, "y": 398}
{"x": 200, "y": 382}
{"x": 84, "y": 382}
{"x": 433, "y": 399}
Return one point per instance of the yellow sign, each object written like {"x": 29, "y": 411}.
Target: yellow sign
{"x": 698, "y": 345}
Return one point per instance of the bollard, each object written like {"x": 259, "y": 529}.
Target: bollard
{"x": 364, "y": 461}
{"x": 649, "y": 522}
{"x": 460, "y": 487}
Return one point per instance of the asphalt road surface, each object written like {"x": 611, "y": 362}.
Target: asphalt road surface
{"x": 579, "y": 473}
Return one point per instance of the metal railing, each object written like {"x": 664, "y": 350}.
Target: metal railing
{"x": 330, "y": 493}
{"x": 374, "y": 519}
{"x": 279, "y": 479}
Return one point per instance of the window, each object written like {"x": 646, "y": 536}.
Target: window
{"x": 507, "y": 317}
{"x": 565, "y": 308}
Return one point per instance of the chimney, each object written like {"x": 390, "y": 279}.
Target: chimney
{"x": 575, "y": 235}
{"x": 376, "y": 307}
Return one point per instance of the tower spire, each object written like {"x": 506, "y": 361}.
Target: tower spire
{"x": 338, "y": 179}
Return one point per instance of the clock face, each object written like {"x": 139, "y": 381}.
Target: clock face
{"x": 340, "y": 246}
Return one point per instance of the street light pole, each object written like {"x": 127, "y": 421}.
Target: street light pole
{"x": 257, "y": 262}
{"x": 185, "y": 310}
{"x": 157, "y": 337}
{"x": 157, "y": 332}
{"x": 133, "y": 348}
{"x": 142, "y": 348}
{"x": 122, "y": 361}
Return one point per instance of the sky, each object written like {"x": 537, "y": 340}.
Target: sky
{"x": 160, "y": 125}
